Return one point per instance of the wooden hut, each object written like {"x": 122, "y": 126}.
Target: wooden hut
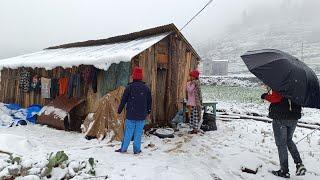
{"x": 163, "y": 52}
{"x": 215, "y": 67}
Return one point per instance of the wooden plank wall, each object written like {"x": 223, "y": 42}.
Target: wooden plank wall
{"x": 182, "y": 61}
{"x": 178, "y": 68}
{"x": 155, "y": 76}
{"x": 167, "y": 80}
{"x": 11, "y": 92}
{"x": 1, "y": 87}
{"x": 162, "y": 59}
{"x": 147, "y": 61}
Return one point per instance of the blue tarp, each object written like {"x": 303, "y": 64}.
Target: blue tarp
{"x": 22, "y": 116}
{"x": 32, "y": 111}
{"x": 13, "y": 106}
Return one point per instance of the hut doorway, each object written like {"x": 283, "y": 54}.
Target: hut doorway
{"x": 161, "y": 96}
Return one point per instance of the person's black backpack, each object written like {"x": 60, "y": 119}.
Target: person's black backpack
{"x": 209, "y": 122}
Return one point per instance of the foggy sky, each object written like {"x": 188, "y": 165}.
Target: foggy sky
{"x": 31, "y": 25}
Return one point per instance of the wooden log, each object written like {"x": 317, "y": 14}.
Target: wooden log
{"x": 6, "y": 152}
{"x": 263, "y": 119}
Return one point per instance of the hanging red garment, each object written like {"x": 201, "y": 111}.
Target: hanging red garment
{"x": 63, "y": 86}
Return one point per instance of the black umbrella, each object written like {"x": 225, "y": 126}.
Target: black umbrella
{"x": 286, "y": 74}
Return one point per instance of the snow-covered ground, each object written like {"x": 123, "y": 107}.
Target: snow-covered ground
{"x": 237, "y": 80}
{"x": 214, "y": 155}
{"x": 245, "y": 100}
{"x": 309, "y": 116}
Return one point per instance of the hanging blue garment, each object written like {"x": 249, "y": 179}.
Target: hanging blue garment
{"x": 74, "y": 82}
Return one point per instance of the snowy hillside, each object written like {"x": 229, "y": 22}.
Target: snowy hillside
{"x": 293, "y": 29}
{"x": 268, "y": 36}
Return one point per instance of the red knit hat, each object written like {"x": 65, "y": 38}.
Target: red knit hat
{"x": 195, "y": 74}
{"x": 137, "y": 73}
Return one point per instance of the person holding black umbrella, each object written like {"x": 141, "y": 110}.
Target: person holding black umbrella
{"x": 285, "y": 115}
{"x": 294, "y": 85}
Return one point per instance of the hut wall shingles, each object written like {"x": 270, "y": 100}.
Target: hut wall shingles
{"x": 166, "y": 81}
{"x": 181, "y": 62}
{"x": 153, "y": 79}
{"x": 2, "y": 84}
{"x": 184, "y": 69}
{"x": 169, "y": 106}
{"x": 173, "y": 100}
{"x": 147, "y": 61}
{"x": 161, "y": 51}
{"x": 9, "y": 81}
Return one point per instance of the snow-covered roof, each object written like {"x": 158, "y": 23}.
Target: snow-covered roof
{"x": 101, "y": 56}
{"x": 221, "y": 60}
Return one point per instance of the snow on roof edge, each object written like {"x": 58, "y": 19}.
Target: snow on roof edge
{"x": 101, "y": 56}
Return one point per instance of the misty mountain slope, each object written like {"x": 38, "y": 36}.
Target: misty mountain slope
{"x": 288, "y": 25}
{"x": 293, "y": 37}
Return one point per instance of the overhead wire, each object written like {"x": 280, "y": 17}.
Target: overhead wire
{"x": 208, "y": 3}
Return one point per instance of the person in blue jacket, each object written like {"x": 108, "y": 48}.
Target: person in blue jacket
{"x": 137, "y": 99}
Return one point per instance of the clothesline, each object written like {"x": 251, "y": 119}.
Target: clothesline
{"x": 66, "y": 84}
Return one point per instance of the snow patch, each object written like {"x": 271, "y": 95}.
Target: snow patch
{"x": 16, "y": 144}
{"x": 5, "y": 118}
{"x": 232, "y": 81}
{"x": 29, "y": 177}
{"x": 58, "y": 113}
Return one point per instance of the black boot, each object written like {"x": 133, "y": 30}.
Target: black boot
{"x": 301, "y": 170}
{"x": 281, "y": 173}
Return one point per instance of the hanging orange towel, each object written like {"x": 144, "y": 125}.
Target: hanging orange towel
{"x": 63, "y": 86}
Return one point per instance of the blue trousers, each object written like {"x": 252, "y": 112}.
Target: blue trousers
{"x": 132, "y": 128}
{"x": 283, "y": 131}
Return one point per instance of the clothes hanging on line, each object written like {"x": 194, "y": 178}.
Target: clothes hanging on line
{"x": 35, "y": 84}
{"x": 74, "y": 82}
{"x": 25, "y": 80}
{"x": 45, "y": 87}
{"x": 63, "y": 86}
{"x": 86, "y": 74}
{"x": 94, "y": 80}
{"x": 54, "y": 91}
